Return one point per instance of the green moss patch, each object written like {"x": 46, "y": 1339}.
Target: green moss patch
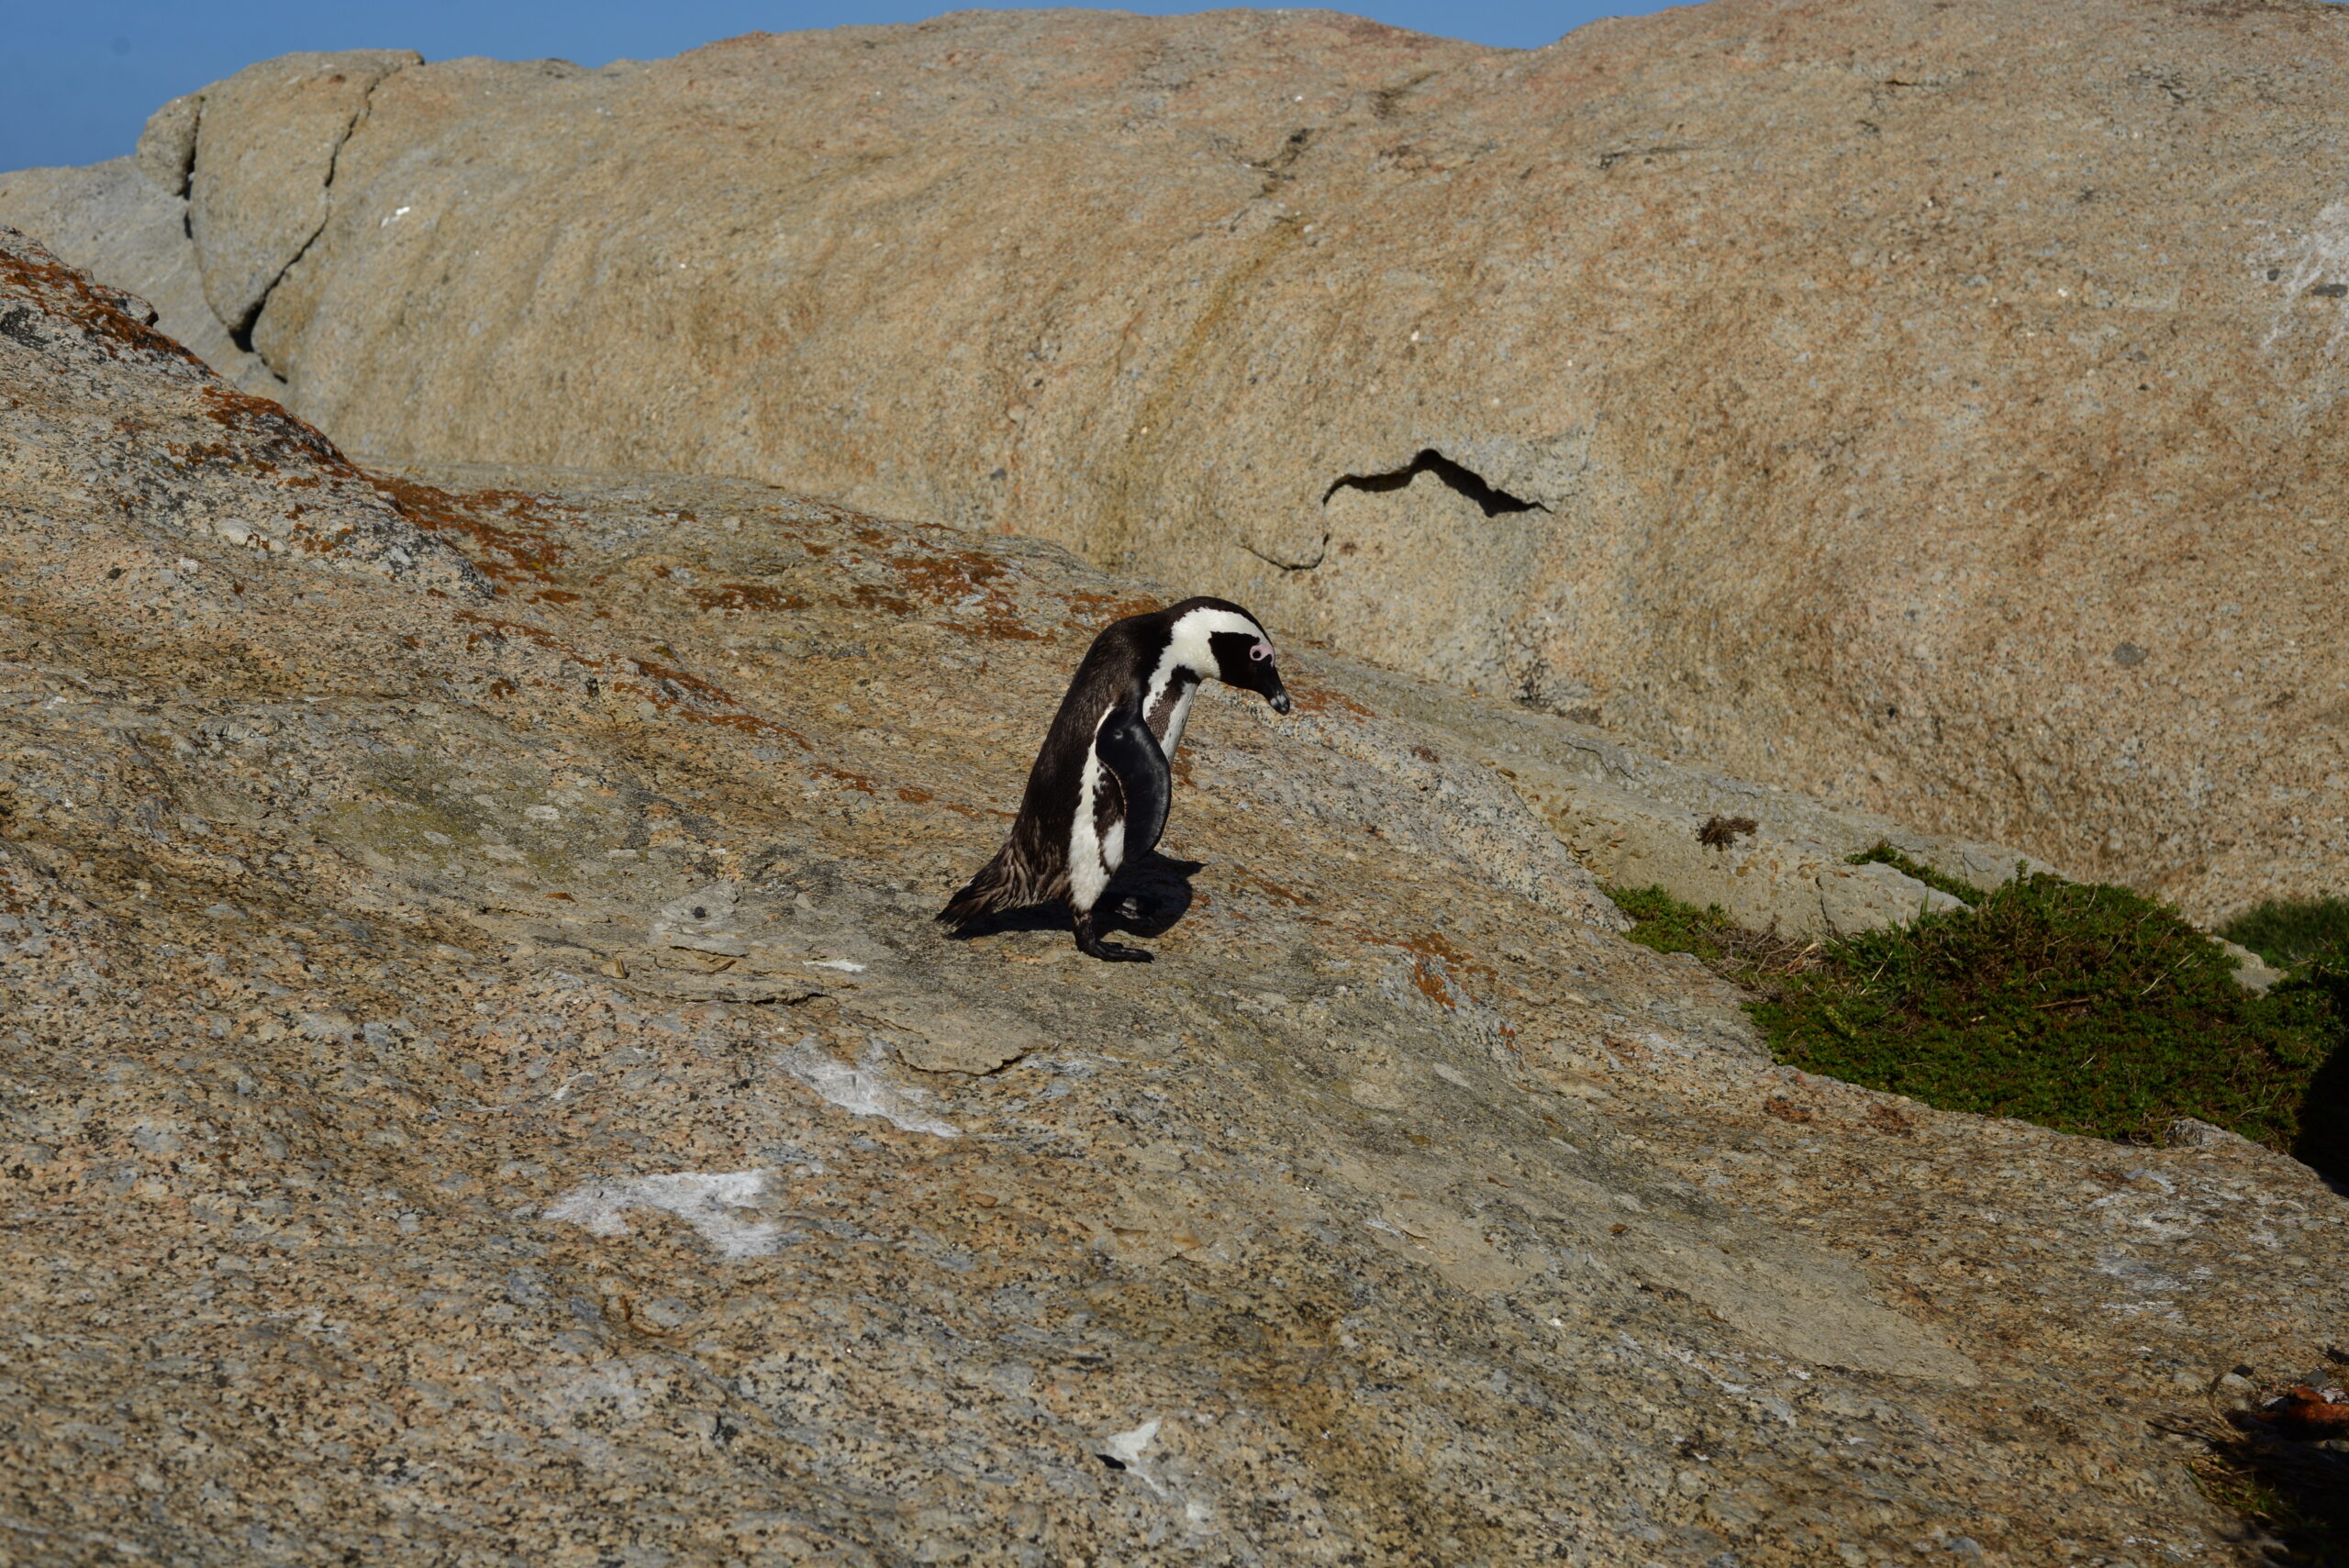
{"x": 1883, "y": 854}
{"x": 2085, "y": 1008}
{"x": 1760, "y": 961}
{"x": 2288, "y": 931}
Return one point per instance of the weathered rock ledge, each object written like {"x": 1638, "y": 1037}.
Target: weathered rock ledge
{"x": 482, "y": 1085}
{"x": 1935, "y": 408}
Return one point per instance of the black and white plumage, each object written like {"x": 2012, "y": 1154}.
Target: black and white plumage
{"x": 1097, "y": 795}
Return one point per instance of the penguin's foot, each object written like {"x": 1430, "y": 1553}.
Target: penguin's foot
{"x": 1092, "y": 946}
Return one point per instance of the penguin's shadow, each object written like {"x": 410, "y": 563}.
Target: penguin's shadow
{"x": 1147, "y": 898}
{"x": 1150, "y": 897}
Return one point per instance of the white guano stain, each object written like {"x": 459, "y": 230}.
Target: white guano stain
{"x": 2315, "y": 258}
{"x": 719, "y": 1206}
{"x": 863, "y": 1090}
{"x": 1126, "y": 1448}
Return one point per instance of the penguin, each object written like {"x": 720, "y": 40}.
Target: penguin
{"x": 1098, "y": 794}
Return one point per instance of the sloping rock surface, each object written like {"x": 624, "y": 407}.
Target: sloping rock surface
{"x": 113, "y": 220}
{"x": 1638, "y": 821}
{"x": 1935, "y": 407}
{"x": 481, "y": 1085}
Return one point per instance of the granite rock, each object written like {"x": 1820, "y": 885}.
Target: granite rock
{"x": 378, "y": 1190}
{"x": 113, "y": 220}
{"x": 266, "y": 141}
{"x": 1932, "y": 409}
{"x": 166, "y": 149}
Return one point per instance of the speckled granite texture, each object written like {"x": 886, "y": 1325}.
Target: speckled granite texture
{"x": 1938, "y": 408}
{"x": 479, "y": 1085}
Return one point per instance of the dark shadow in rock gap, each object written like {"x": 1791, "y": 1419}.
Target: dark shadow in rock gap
{"x": 2323, "y": 1118}
{"x": 1467, "y": 481}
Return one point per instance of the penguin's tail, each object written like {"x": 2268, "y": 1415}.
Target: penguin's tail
{"x": 994, "y": 890}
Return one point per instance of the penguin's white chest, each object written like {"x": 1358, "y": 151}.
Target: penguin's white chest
{"x": 1095, "y": 851}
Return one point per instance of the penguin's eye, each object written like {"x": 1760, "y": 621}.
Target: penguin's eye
{"x": 1260, "y": 652}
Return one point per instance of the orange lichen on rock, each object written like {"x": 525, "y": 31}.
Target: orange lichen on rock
{"x": 759, "y": 596}
{"x": 522, "y": 549}
{"x": 112, "y": 320}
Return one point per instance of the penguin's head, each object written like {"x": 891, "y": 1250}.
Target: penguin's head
{"x": 1244, "y": 658}
{"x": 1215, "y": 637}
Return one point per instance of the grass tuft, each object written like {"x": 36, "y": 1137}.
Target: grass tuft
{"x": 2084, "y": 1008}
{"x": 1882, "y": 854}
{"x": 1756, "y": 960}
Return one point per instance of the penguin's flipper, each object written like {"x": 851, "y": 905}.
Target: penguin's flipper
{"x": 1128, "y": 749}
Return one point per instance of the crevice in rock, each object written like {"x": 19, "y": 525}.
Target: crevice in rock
{"x": 188, "y": 167}
{"x": 1649, "y": 154}
{"x": 1319, "y": 554}
{"x": 1467, "y": 481}
{"x": 1385, "y": 100}
{"x": 1275, "y": 169}
{"x": 241, "y": 333}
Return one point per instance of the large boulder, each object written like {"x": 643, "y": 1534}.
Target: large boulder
{"x": 483, "y": 1082}
{"x": 1936, "y": 407}
{"x": 115, "y": 220}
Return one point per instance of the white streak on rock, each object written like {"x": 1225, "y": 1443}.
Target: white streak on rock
{"x": 864, "y": 1090}
{"x": 712, "y": 1205}
{"x": 1126, "y": 1448}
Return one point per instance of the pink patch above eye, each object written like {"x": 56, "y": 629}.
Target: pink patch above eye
{"x": 1260, "y": 652}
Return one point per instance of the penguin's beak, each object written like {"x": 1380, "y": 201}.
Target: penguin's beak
{"x": 1279, "y": 700}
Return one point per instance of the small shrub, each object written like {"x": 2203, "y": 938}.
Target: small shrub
{"x": 2084, "y": 1008}
{"x": 2288, "y": 931}
{"x": 1882, "y": 854}
{"x": 1756, "y": 960}
{"x": 1722, "y": 832}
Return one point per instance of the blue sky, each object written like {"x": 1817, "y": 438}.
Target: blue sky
{"x": 78, "y": 80}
